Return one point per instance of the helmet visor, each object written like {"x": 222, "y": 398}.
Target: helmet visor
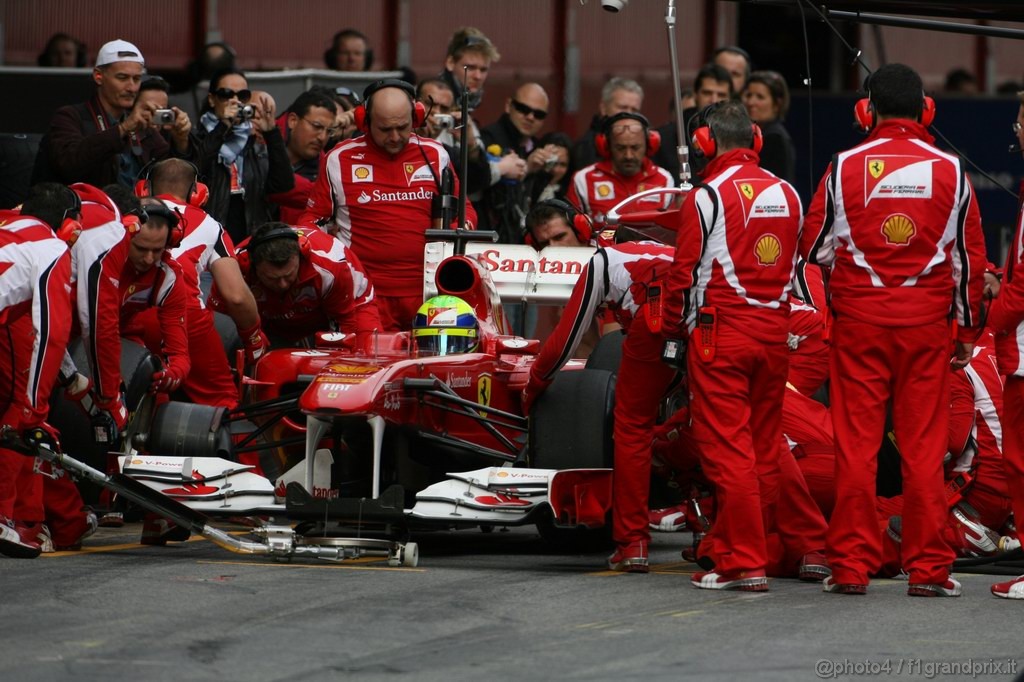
{"x": 444, "y": 343}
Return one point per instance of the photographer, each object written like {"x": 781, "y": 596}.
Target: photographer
{"x": 171, "y": 123}
{"x": 108, "y": 138}
{"x": 444, "y": 124}
{"x": 240, "y": 154}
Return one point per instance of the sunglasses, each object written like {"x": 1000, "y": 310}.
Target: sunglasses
{"x": 342, "y": 91}
{"x": 525, "y": 110}
{"x": 227, "y": 93}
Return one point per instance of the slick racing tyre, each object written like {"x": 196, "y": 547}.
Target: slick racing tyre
{"x": 607, "y": 354}
{"x": 189, "y": 430}
{"x": 571, "y": 422}
{"x": 571, "y": 428}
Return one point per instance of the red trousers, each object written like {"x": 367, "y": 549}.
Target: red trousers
{"x": 209, "y": 382}
{"x": 1013, "y": 446}
{"x": 398, "y": 312}
{"x": 735, "y": 404}
{"x": 642, "y": 381}
{"x": 870, "y": 365}
{"x": 15, "y": 351}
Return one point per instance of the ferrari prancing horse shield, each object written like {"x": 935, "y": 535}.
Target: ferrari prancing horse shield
{"x": 483, "y": 392}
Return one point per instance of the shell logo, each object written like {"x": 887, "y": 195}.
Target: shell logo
{"x": 898, "y": 229}
{"x": 603, "y": 191}
{"x": 768, "y": 249}
{"x": 502, "y": 474}
{"x": 362, "y": 172}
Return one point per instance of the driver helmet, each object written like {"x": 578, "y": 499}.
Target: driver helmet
{"x": 444, "y": 325}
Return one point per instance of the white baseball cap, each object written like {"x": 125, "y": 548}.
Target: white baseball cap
{"x": 119, "y": 51}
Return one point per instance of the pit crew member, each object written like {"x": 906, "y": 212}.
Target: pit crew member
{"x": 35, "y": 312}
{"x": 627, "y": 280}
{"x": 122, "y": 269}
{"x": 624, "y": 146}
{"x": 205, "y": 246}
{"x": 1006, "y": 318}
{"x": 380, "y": 192}
{"x": 728, "y": 294}
{"x": 305, "y": 281}
{"x": 896, "y": 221}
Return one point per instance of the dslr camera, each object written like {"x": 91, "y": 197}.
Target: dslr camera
{"x": 164, "y": 116}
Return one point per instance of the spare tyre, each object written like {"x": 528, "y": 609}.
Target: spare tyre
{"x": 189, "y": 430}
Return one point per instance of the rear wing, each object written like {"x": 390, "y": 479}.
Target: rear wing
{"x": 520, "y": 273}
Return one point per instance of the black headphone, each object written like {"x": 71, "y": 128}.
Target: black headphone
{"x": 331, "y": 53}
{"x": 243, "y": 254}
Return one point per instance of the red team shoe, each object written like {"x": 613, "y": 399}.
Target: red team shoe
{"x": 828, "y": 585}
{"x": 159, "y": 531}
{"x": 1011, "y": 589}
{"x": 967, "y": 536}
{"x": 14, "y": 545}
{"x": 744, "y": 581}
{"x": 631, "y": 559}
{"x": 950, "y": 588}
{"x": 814, "y": 567}
{"x": 669, "y": 519}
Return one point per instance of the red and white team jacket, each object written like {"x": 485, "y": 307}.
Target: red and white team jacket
{"x": 204, "y": 243}
{"x": 897, "y": 221}
{"x": 985, "y": 386}
{"x": 380, "y": 206}
{"x": 597, "y": 188}
{"x": 1006, "y": 315}
{"x": 110, "y": 292}
{"x": 332, "y": 291}
{"x": 736, "y": 250}
{"x": 617, "y": 278}
{"x": 35, "y": 276}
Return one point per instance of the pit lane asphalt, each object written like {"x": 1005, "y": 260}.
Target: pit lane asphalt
{"x": 479, "y": 606}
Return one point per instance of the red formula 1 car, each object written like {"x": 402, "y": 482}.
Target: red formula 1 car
{"x": 393, "y": 442}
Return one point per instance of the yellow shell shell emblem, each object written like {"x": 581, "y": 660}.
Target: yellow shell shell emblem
{"x": 876, "y": 167}
{"x": 603, "y": 191}
{"x": 362, "y": 172}
{"x": 768, "y": 249}
{"x": 898, "y": 229}
{"x": 748, "y": 190}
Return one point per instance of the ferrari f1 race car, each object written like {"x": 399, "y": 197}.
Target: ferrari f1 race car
{"x": 349, "y": 452}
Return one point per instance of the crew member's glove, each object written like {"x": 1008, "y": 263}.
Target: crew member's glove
{"x": 42, "y": 434}
{"x": 78, "y": 390}
{"x": 110, "y": 420}
{"x": 255, "y": 342}
{"x": 167, "y": 380}
{"x": 531, "y": 393}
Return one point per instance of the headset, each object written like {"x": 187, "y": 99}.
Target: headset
{"x": 242, "y": 254}
{"x": 362, "y": 112}
{"x": 579, "y": 222}
{"x": 198, "y": 193}
{"x": 331, "y": 53}
{"x": 706, "y": 146}
{"x": 175, "y": 222}
{"x": 864, "y": 113}
{"x": 71, "y": 224}
{"x": 602, "y": 143}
